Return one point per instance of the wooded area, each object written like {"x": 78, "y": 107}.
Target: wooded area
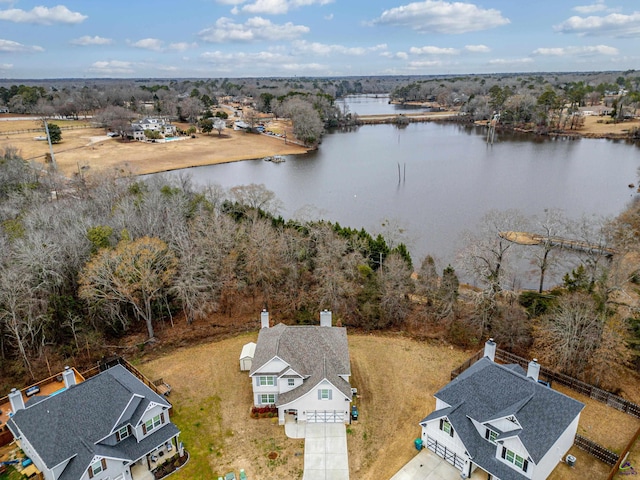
{"x": 88, "y": 260}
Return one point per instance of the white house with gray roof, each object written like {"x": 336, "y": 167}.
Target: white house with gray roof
{"x": 154, "y": 124}
{"x": 502, "y": 420}
{"x": 303, "y": 370}
{"x": 111, "y": 426}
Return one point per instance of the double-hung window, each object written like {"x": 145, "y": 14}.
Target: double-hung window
{"x": 152, "y": 423}
{"x": 512, "y": 457}
{"x": 266, "y": 381}
{"x": 267, "y": 398}
{"x": 324, "y": 394}
{"x": 446, "y": 427}
{"x": 123, "y": 433}
{"x": 97, "y": 467}
{"x": 490, "y": 435}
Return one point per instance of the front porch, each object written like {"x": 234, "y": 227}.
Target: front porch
{"x": 144, "y": 467}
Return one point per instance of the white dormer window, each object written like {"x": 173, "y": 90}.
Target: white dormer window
{"x": 97, "y": 467}
{"x": 515, "y": 459}
{"x": 291, "y": 382}
{"x": 490, "y": 435}
{"x": 152, "y": 423}
{"x": 122, "y": 433}
{"x": 446, "y": 427}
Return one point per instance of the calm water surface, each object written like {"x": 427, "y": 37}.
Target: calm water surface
{"x": 449, "y": 178}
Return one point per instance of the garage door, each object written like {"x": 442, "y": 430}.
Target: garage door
{"x": 325, "y": 416}
{"x": 446, "y": 453}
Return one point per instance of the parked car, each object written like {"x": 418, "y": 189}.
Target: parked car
{"x": 354, "y": 412}
{"x": 230, "y": 476}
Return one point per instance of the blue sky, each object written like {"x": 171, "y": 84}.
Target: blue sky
{"x": 263, "y": 38}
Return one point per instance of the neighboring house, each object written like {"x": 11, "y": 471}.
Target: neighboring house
{"x": 502, "y": 420}
{"x": 111, "y": 426}
{"x": 154, "y": 124}
{"x": 303, "y": 370}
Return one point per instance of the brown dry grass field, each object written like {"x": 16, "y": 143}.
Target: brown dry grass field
{"x": 92, "y": 151}
{"x": 396, "y": 378}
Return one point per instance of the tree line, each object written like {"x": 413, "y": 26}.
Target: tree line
{"x": 544, "y": 102}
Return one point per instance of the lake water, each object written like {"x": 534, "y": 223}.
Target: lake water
{"x": 449, "y": 178}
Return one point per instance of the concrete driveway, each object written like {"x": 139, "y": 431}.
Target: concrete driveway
{"x": 325, "y": 449}
{"x": 426, "y": 465}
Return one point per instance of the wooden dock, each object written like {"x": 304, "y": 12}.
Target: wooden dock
{"x": 526, "y": 238}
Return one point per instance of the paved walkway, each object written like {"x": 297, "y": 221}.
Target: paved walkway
{"x": 325, "y": 450}
{"x": 426, "y": 465}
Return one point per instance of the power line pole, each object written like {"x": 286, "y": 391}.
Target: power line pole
{"x": 53, "y": 158}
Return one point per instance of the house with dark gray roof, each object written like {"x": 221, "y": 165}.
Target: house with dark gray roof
{"x": 501, "y": 419}
{"x": 303, "y": 370}
{"x": 111, "y": 426}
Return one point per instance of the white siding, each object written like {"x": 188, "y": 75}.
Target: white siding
{"x": 310, "y": 403}
{"x": 432, "y": 429}
{"x": 556, "y": 452}
{"x": 505, "y": 425}
{"x": 274, "y": 365}
{"x": 114, "y": 468}
{"x": 152, "y": 412}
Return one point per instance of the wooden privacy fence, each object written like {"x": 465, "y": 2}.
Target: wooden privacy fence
{"x": 610, "y": 399}
{"x": 595, "y": 450}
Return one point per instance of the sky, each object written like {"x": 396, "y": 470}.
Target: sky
{"x": 311, "y": 38}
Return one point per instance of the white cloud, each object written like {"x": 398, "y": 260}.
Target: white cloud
{"x": 270, "y": 7}
{"x": 328, "y": 17}
{"x": 6, "y": 66}
{"x": 577, "y": 51}
{"x": 148, "y": 44}
{"x": 9, "y": 46}
{"x": 254, "y": 29}
{"x": 182, "y": 46}
{"x": 397, "y": 55}
{"x": 425, "y": 64}
{"x": 272, "y": 61}
{"x": 510, "y": 61}
{"x": 430, "y": 50}
{"x": 438, "y": 16}
{"x": 594, "y": 7}
{"x": 477, "y": 48}
{"x": 88, "y": 40}
{"x": 167, "y": 68}
{"x": 303, "y": 47}
{"x": 43, "y": 15}
{"x": 112, "y": 67}
{"x": 615, "y": 25}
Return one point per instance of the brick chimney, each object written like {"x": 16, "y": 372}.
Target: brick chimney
{"x": 533, "y": 370}
{"x": 490, "y": 349}
{"x": 69, "y": 377}
{"x": 17, "y": 402}
{"x": 325, "y": 318}
{"x": 264, "y": 319}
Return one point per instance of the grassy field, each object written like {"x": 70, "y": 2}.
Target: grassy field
{"x": 395, "y": 377}
{"x": 92, "y": 151}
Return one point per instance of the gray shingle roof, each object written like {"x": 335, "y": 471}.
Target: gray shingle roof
{"x": 314, "y": 352}
{"x": 71, "y": 423}
{"x": 487, "y": 391}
